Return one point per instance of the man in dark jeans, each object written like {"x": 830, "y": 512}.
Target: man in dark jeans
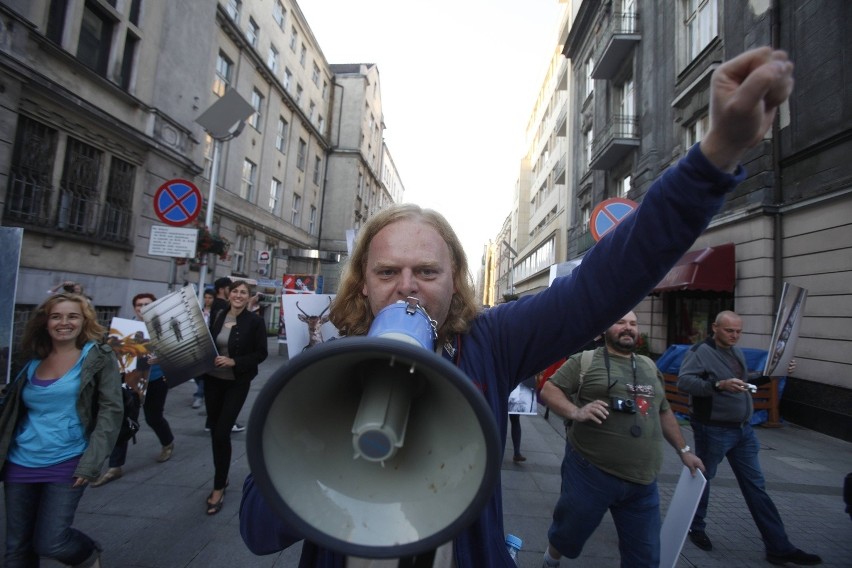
{"x": 715, "y": 375}
{"x": 153, "y": 407}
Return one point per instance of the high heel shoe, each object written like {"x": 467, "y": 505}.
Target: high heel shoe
{"x": 213, "y": 508}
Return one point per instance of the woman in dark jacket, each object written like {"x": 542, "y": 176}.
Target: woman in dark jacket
{"x": 240, "y": 338}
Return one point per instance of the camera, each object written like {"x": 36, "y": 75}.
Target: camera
{"x": 621, "y": 405}
{"x": 68, "y": 287}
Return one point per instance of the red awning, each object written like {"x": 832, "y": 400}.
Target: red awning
{"x": 710, "y": 269}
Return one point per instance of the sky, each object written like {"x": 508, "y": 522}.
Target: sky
{"x": 458, "y": 80}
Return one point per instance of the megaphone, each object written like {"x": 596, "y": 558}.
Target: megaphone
{"x": 375, "y": 446}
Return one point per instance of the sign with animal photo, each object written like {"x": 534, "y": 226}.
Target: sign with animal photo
{"x": 306, "y": 321}
{"x": 129, "y": 341}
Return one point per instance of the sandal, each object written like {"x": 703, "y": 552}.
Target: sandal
{"x": 213, "y": 508}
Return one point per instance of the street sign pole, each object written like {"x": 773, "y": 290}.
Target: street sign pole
{"x": 223, "y": 121}
{"x": 208, "y": 218}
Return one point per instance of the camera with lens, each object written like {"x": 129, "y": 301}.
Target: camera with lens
{"x": 68, "y": 287}
{"x": 622, "y": 405}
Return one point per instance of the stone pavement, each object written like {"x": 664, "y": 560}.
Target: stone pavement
{"x": 154, "y": 516}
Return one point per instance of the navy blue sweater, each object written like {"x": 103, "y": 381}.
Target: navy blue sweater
{"x": 518, "y": 339}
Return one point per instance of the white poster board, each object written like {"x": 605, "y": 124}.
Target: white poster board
{"x": 782, "y": 346}
{"x": 306, "y": 321}
{"x": 679, "y": 516}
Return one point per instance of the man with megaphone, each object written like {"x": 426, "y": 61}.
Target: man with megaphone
{"x": 407, "y": 252}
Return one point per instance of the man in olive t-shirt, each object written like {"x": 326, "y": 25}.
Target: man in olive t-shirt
{"x": 613, "y": 453}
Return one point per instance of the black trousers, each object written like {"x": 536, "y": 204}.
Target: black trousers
{"x": 223, "y": 399}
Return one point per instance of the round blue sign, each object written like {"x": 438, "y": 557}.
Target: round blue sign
{"x": 177, "y": 202}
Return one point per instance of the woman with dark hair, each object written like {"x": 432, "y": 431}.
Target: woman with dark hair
{"x": 240, "y": 338}
{"x": 60, "y": 421}
{"x": 153, "y": 405}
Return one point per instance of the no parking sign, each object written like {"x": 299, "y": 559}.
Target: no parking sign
{"x": 608, "y": 214}
{"x": 177, "y": 202}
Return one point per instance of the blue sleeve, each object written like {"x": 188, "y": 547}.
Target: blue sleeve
{"x": 615, "y": 275}
{"x": 263, "y": 531}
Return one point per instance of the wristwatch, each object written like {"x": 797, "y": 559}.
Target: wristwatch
{"x": 684, "y": 450}
{"x": 717, "y": 386}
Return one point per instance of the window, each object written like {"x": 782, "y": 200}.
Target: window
{"x": 78, "y": 190}
{"x": 622, "y": 186}
{"x": 590, "y": 82}
{"x": 234, "y": 7}
{"x": 257, "y": 105}
{"x": 274, "y": 196}
{"x": 272, "y": 60}
{"x": 626, "y": 109}
{"x": 95, "y": 39}
{"x": 303, "y": 55}
{"x": 317, "y": 168}
{"x": 249, "y": 177}
{"x": 296, "y": 210}
{"x": 701, "y": 21}
{"x": 320, "y": 122}
{"x": 324, "y": 90}
{"x": 239, "y": 253}
{"x": 312, "y": 222}
{"x": 585, "y": 217}
{"x": 315, "y": 75}
{"x": 118, "y": 206}
{"x": 299, "y": 92}
{"x": 252, "y": 32}
{"x": 281, "y": 135}
{"x": 224, "y": 70}
{"x": 208, "y": 160}
{"x": 588, "y": 143}
{"x": 77, "y": 206}
{"x": 279, "y": 14}
{"x": 288, "y": 79}
{"x": 127, "y": 60}
{"x": 696, "y": 130}
{"x": 294, "y": 38}
{"x": 300, "y": 156}
{"x": 312, "y": 108}
{"x": 56, "y": 20}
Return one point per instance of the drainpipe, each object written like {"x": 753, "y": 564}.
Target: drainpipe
{"x": 331, "y": 150}
{"x": 777, "y": 190}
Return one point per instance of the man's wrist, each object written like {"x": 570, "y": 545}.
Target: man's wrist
{"x": 684, "y": 450}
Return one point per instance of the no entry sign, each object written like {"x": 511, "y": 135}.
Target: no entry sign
{"x": 608, "y": 214}
{"x": 177, "y": 202}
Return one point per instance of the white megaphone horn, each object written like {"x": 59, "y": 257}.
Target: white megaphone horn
{"x": 375, "y": 446}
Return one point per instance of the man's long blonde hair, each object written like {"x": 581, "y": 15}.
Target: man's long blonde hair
{"x": 351, "y": 312}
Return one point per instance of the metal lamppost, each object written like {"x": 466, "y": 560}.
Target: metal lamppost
{"x": 512, "y": 258}
{"x": 223, "y": 121}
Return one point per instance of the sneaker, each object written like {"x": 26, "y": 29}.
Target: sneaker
{"x": 207, "y": 428}
{"x": 110, "y": 475}
{"x": 798, "y": 556}
{"x": 519, "y": 458}
{"x": 166, "y": 453}
{"x": 237, "y": 427}
{"x": 197, "y": 402}
{"x": 701, "y": 540}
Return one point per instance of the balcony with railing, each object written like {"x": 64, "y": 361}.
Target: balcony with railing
{"x": 617, "y": 40}
{"x": 619, "y": 137}
{"x": 29, "y": 204}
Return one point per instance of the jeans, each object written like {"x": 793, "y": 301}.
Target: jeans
{"x": 515, "y": 429}
{"x": 587, "y": 493}
{"x": 38, "y": 524}
{"x": 740, "y": 446}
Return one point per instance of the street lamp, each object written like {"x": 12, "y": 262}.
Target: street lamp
{"x": 223, "y": 121}
{"x": 511, "y": 266}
